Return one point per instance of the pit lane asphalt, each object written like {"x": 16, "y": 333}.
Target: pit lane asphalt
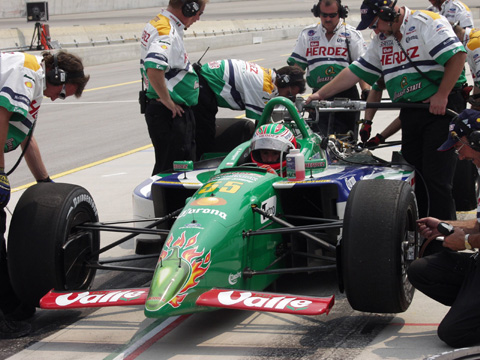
{"x": 109, "y": 333}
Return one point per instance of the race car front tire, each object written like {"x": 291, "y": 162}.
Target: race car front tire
{"x": 45, "y": 251}
{"x": 378, "y": 244}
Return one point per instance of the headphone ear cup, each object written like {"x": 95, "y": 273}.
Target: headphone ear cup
{"x": 474, "y": 140}
{"x": 316, "y": 10}
{"x": 343, "y": 11}
{"x": 56, "y": 76}
{"x": 283, "y": 80}
{"x": 386, "y": 14}
{"x": 190, "y": 8}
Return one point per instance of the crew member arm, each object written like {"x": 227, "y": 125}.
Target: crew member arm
{"x": 428, "y": 228}
{"x": 476, "y": 103}
{"x": 4, "y": 119}
{"x": 34, "y": 159}
{"x": 159, "y": 84}
{"x": 392, "y": 128}
{"x": 343, "y": 81}
{"x": 373, "y": 96}
{"x": 364, "y": 85}
{"x": 453, "y": 69}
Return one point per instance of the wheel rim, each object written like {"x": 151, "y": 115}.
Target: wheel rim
{"x": 77, "y": 254}
{"x": 409, "y": 250}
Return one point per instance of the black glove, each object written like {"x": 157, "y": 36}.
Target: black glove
{"x": 366, "y": 130}
{"x": 375, "y": 141}
{"x": 365, "y": 93}
{"x": 47, "y": 179}
{"x": 4, "y": 189}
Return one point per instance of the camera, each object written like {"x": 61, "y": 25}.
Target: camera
{"x": 37, "y": 11}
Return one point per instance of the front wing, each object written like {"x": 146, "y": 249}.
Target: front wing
{"x": 216, "y": 298}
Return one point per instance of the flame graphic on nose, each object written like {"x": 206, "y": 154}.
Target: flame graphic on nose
{"x": 179, "y": 269}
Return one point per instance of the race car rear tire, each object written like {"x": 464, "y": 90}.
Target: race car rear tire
{"x": 45, "y": 251}
{"x": 379, "y": 242}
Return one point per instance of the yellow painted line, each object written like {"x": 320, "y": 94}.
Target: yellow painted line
{"x": 56, "y": 176}
{"x": 112, "y": 86}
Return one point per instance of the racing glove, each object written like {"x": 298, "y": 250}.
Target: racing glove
{"x": 47, "y": 179}
{"x": 4, "y": 188}
{"x": 375, "y": 141}
{"x": 365, "y": 93}
{"x": 365, "y": 130}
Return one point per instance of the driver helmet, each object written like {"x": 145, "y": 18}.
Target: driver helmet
{"x": 275, "y": 137}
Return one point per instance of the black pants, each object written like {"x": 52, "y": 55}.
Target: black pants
{"x": 452, "y": 279}
{"x": 340, "y": 122}
{"x": 205, "y": 113}
{"x": 422, "y": 134}
{"x": 8, "y": 300}
{"x": 173, "y": 139}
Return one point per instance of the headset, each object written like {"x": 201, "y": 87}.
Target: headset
{"x": 286, "y": 80}
{"x": 385, "y": 12}
{"x": 342, "y": 10}
{"x": 190, "y": 8}
{"x": 473, "y": 136}
{"x": 58, "y": 76}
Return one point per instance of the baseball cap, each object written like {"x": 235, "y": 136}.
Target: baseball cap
{"x": 463, "y": 124}
{"x": 369, "y": 10}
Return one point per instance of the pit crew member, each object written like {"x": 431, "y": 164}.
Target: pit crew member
{"x": 471, "y": 40}
{"x": 239, "y": 85}
{"x": 24, "y": 81}
{"x": 452, "y": 276}
{"x": 455, "y": 11}
{"x": 325, "y": 49}
{"x": 421, "y": 60}
{"x": 171, "y": 83}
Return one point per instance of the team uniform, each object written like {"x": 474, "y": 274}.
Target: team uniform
{"x": 324, "y": 59}
{"x": 22, "y": 82}
{"x": 472, "y": 44}
{"x": 430, "y": 42}
{"x": 428, "y": 46}
{"x": 162, "y": 48}
{"x": 240, "y": 85}
{"x": 457, "y": 11}
{"x": 22, "y": 79}
{"x": 232, "y": 84}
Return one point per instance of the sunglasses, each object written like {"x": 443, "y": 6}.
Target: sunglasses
{"x": 374, "y": 25}
{"x": 456, "y": 137}
{"x": 63, "y": 93}
{"x": 331, "y": 16}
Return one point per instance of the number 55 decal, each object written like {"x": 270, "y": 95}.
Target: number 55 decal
{"x": 230, "y": 187}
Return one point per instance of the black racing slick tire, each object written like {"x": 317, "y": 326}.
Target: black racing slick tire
{"x": 45, "y": 250}
{"x": 379, "y": 242}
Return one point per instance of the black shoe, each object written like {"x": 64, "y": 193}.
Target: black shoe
{"x": 13, "y": 329}
{"x": 21, "y": 312}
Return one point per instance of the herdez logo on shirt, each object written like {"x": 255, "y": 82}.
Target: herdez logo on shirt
{"x": 327, "y": 51}
{"x": 392, "y": 58}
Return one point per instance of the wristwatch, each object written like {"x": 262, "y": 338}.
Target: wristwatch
{"x": 467, "y": 244}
